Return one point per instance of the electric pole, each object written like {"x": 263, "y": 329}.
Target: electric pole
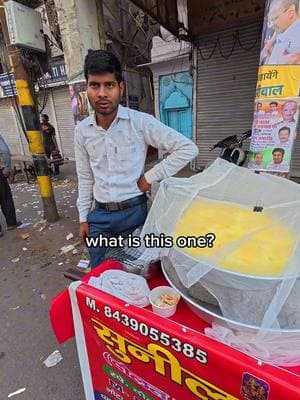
{"x": 101, "y": 24}
{"x": 32, "y": 123}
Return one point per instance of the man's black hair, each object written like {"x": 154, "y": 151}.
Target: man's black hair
{"x": 101, "y": 62}
{"x": 285, "y": 128}
{"x": 45, "y": 116}
{"x": 274, "y": 102}
{"x": 279, "y": 150}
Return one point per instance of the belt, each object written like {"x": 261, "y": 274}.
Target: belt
{"x": 122, "y": 205}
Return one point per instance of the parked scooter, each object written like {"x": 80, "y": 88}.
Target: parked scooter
{"x": 232, "y": 148}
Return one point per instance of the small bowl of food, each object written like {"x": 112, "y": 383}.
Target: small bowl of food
{"x": 164, "y": 300}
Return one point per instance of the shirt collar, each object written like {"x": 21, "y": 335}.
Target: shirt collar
{"x": 121, "y": 114}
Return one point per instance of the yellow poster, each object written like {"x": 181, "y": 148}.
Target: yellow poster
{"x": 278, "y": 81}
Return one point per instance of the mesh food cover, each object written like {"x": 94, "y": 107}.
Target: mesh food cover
{"x": 236, "y": 242}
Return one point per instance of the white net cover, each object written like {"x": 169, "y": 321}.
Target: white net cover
{"x": 252, "y": 223}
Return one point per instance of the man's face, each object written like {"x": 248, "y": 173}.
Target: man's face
{"x": 258, "y": 159}
{"x": 258, "y": 106}
{"x": 104, "y": 92}
{"x": 273, "y": 107}
{"x": 277, "y": 157}
{"x": 288, "y": 111}
{"x": 281, "y": 18}
{"x": 284, "y": 136}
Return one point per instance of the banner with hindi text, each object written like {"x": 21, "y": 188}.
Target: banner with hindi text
{"x": 276, "y": 107}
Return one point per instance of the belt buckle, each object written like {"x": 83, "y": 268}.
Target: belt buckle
{"x": 112, "y": 207}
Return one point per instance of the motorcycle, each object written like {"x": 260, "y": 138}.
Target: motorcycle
{"x": 232, "y": 148}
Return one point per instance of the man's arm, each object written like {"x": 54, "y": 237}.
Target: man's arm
{"x": 181, "y": 149}
{"x": 85, "y": 177}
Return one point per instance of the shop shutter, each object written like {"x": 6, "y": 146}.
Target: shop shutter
{"x": 225, "y": 89}
{"x": 9, "y": 128}
{"x": 64, "y": 119}
{"x": 295, "y": 166}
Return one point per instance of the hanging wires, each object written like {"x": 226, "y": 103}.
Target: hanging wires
{"x": 236, "y": 37}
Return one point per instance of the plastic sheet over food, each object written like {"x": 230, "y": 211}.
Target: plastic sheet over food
{"x": 251, "y": 263}
{"x": 276, "y": 348}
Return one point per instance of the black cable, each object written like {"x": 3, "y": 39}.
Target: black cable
{"x": 232, "y": 49}
{"x": 211, "y": 54}
{"x": 252, "y": 45}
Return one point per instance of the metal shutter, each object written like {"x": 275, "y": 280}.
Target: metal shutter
{"x": 9, "y": 128}
{"x": 64, "y": 119}
{"x": 295, "y": 165}
{"x": 225, "y": 88}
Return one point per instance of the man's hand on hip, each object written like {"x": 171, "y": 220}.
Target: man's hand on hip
{"x": 143, "y": 185}
{"x": 83, "y": 231}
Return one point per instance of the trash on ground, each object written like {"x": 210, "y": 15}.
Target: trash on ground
{"x": 16, "y": 392}
{"x": 24, "y": 225}
{"x": 42, "y": 296}
{"x": 25, "y": 236}
{"x": 14, "y": 308}
{"x": 53, "y": 359}
{"x": 42, "y": 221}
{"x": 83, "y": 264}
{"x": 67, "y": 249}
{"x": 70, "y": 236}
{"x": 15, "y": 260}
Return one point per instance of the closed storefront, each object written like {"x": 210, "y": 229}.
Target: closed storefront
{"x": 295, "y": 165}
{"x": 225, "y": 88}
{"x": 10, "y": 128}
{"x": 64, "y": 119}
{"x": 227, "y": 65}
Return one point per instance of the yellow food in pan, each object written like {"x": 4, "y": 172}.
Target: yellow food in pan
{"x": 264, "y": 253}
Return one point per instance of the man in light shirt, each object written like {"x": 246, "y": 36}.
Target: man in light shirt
{"x": 284, "y": 17}
{"x": 110, "y": 151}
{"x": 278, "y": 164}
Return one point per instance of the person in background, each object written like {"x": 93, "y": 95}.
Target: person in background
{"x": 50, "y": 143}
{"x": 110, "y": 153}
{"x": 6, "y": 199}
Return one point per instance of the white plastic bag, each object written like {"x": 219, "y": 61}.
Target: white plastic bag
{"x": 126, "y": 286}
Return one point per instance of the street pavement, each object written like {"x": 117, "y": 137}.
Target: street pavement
{"x": 31, "y": 274}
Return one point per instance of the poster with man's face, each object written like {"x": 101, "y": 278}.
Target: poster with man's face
{"x": 281, "y": 33}
{"x": 79, "y": 101}
{"x": 273, "y": 134}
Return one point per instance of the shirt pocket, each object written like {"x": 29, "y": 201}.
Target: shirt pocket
{"x": 128, "y": 159}
{"x": 128, "y": 155}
